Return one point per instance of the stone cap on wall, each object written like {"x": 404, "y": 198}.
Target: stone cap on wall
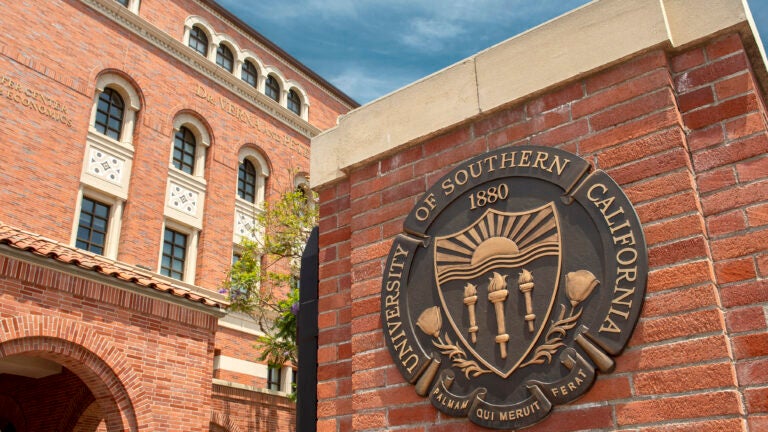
{"x": 592, "y": 37}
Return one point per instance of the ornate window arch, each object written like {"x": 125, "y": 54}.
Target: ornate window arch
{"x": 115, "y": 84}
{"x": 274, "y": 87}
{"x": 251, "y": 157}
{"x": 106, "y": 172}
{"x": 194, "y": 28}
{"x": 245, "y": 210}
{"x": 300, "y": 100}
{"x": 201, "y": 137}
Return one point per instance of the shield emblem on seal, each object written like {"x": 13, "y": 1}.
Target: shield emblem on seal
{"x": 497, "y": 280}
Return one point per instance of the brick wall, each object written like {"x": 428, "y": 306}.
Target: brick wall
{"x": 684, "y": 134}
{"x": 149, "y": 360}
{"x": 244, "y": 410}
{"x": 32, "y": 55}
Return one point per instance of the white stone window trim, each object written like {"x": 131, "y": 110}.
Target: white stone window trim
{"x": 131, "y": 100}
{"x": 190, "y": 254}
{"x": 114, "y": 222}
{"x": 203, "y": 25}
{"x": 108, "y": 146}
{"x": 202, "y": 143}
{"x": 262, "y": 168}
{"x": 191, "y": 184}
{"x": 246, "y": 208}
{"x": 283, "y": 95}
{"x": 292, "y": 85}
{"x": 237, "y": 54}
{"x": 249, "y": 56}
{"x": 240, "y": 55}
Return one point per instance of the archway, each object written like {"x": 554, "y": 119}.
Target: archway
{"x": 93, "y": 394}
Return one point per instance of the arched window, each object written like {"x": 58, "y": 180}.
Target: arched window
{"x": 249, "y": 73}
{"x": 224, "y": 58}
{"x": 272, "y": 88}
{"x": 198, "y": 40}
{"x": 184, "y": 145}
{"x": 109, "y": 114}
{"x": 246, "y": 181}
{"x": 123, "y": 2}
{"x": 294, "y": 102}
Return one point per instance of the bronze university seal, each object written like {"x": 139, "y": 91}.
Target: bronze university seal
{"x": 519, "y": 274}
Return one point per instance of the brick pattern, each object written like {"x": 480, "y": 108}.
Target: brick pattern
{"x": 729, "y": 148}
{"x": 243, "y": 410}
{"x": 31, "y": 56}
{"x": 119, "y": 345}
{"x": 684, "y": 135}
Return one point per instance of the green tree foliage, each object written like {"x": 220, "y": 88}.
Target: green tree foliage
{"x": 263, "y": 283}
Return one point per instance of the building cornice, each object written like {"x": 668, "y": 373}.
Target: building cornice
{"x": 179, "y": 51}
{"x": 265, "y": 44}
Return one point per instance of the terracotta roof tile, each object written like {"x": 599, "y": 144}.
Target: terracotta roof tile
{"x": 52, "y": 249}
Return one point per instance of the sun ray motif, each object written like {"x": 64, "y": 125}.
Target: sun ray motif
{"x": 477, "y": 248}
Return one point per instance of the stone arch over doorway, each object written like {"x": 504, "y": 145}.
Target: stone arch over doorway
{"x": 221, "y": 422}
{"x": 86, "y": 354}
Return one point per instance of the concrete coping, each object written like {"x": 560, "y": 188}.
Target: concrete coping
{"x": 582, "y": 41}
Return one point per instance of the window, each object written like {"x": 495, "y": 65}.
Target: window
{"x": 174, "y": 254}
{"x": 198, "y": 41}
{"x": 123, "y": 2}
{"x": 249, "y": 73}
{"x": 224, "y": 58}
{"x": 184, "y": 145}
{"x": 272, "y": 88}
{"x": 109, "y": 114}
{"x": 273, "y": 378}
{"x": 246, "y": 181}
{"x": 294, "y": 102}
{"x": 92, "y": 228}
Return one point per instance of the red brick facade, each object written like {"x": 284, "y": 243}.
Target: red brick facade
{"x": 684, "y": 133}
{"x": 138, "y": 350}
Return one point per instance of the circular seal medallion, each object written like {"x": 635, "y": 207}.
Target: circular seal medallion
{"x": 519, "y": 274}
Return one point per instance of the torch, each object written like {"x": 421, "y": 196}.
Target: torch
{"x": 470, "y": 298}
{"x": 497, "y": 294}
{"x": 526, "y": 286}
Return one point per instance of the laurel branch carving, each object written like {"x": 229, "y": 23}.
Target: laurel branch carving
{"x": 459, "y": 357}
{"x": 555, "y": 335}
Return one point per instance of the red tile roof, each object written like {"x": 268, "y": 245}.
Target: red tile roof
{"x": 41, "y": 246}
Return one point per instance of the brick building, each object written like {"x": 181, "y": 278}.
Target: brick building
{"x": 139, "y": 138}
{"x": 668, "y": 99}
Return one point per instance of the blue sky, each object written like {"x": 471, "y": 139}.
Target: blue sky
{"x": 368, "y": 48}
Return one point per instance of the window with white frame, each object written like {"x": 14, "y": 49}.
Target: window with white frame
{"x": 97, "y": 224}
{"x": 115, "y": 107}
{"x": 274, "y": 378}
{"x": 272, "y": 88}
{"x": 178, "y": 251}
{"x": 92, "y": 225}
{"x": 249, "y": 73}
{"x": 106, "y": 171}
{"x": 184, "y": 144}
{"x": 110, "y": 109}
{"x": 294, "y": 102}
{"x": 225, "y": 58}
{"x": 186, "y": 185}
{"x": 198, "y": 40}
{"x": 253, "y": 172}
{"x": 191, "y": 140}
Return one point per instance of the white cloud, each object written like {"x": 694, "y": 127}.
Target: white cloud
{"x": 364, "y": 85}
{"x": 430, "y": 34}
